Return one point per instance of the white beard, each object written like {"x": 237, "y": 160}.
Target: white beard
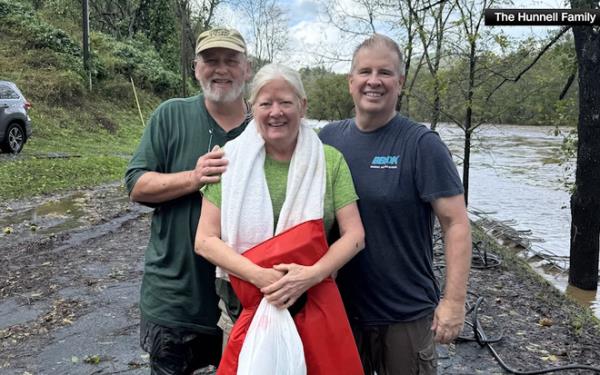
{"x": 217, "y": 95}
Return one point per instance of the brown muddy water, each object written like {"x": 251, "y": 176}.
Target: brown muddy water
{"x": 39, "y": 217}
{"x": 516, "y": 179}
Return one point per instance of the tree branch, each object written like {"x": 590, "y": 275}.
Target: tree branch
{"x": 570, "y": 80}
{"x": 535, "y": 60}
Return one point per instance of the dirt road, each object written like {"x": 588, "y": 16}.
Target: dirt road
{"x": 68, "y": 301}
{"x": 71, "y": 268}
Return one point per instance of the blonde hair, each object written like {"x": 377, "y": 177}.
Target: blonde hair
{"x": 379, "y": 40}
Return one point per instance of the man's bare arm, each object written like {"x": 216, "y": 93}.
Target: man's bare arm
{"x": 154, "y": 187}
{"x": 450, "y": 313}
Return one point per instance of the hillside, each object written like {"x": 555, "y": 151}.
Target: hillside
{"x": 81, "y": 137}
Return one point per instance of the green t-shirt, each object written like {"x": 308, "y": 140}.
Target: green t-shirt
{"x": 178, "y": 287}
{"x": 339, "y": 188}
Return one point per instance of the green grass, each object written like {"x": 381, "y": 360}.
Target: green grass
{"x": 75, "y": 147}
{"x": 34, "y": 176}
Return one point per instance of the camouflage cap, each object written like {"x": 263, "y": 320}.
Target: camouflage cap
{"x": 220, "y": 37}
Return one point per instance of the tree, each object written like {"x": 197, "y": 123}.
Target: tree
{"x": 585, "y": 201}
{"x": 439, "y": 15}
{"x": 407, "y": 21}
{"x": 366, "y": 17}
{"x": 114, "y": 17}
{"x": 327, "y": 93}
{"x": 268, "y": 23}
{"x": 157, "y": 20}
{"x": 473, "y": 48}
{"x": 194, "y": 17}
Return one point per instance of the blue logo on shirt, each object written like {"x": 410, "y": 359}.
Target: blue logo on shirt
{"x": 385, "y": 162}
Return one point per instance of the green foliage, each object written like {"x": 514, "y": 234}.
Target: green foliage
{"x": 135, "y": 58}
{"x": 19, "y": 19}
{"x": 568, "y": 153}
{"x": 158, "y": 22}
{"x": 533, "y": 100}
{"x": 51, "y": 49}
{"x": 93, "y": 359}
{"x": 327, "y": 92}
{"x": 331, "y": 100}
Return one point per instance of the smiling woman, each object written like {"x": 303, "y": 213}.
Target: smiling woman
{"x": 283, "y": 181}
{"x": 278, "y": 104}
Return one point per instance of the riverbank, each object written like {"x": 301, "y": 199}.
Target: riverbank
{"x": 537, "y": 326}
{"x": 68, "y": 301}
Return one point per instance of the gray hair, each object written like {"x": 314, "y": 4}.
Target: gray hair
{"x": 379, "y": 40}
{"x": 273, "y": 71}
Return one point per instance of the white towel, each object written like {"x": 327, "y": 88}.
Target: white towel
{"x": 246, "y": 209}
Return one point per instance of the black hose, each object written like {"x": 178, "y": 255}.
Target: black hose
{"x": 482, "y": 339}
{"x": 483, "y": 260}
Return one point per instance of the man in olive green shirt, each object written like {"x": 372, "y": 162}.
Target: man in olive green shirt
{"x": 177, "y": 155}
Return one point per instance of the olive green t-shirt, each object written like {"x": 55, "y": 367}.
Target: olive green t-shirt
{"x": 339, "y": 188}
{"x": 178, "y": 286}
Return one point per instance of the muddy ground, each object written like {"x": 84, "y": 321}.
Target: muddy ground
{"x": 70, "y": 271}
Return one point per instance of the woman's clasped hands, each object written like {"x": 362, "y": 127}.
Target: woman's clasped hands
{"x": 296, "y": 280}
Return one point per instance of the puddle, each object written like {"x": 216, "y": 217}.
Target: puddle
{"x": 560, "y": 280}
{"x": 78, "y": 237}
{"x": 25, "y": 220}
{"x": 51, "y": 216}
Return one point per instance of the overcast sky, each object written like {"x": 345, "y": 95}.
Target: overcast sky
{"x": 312, "y": 39}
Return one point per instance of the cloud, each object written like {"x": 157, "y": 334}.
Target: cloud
{"x": 302, "y": 10}
{"x": 316, "y": 43}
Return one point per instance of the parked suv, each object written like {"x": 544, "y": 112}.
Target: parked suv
{"x": 15, "y": 124}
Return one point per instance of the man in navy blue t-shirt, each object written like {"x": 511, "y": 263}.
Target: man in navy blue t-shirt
{"x": 404, "y": 175}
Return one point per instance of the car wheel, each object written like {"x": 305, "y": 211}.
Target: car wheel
{"x": 14, "y": 140}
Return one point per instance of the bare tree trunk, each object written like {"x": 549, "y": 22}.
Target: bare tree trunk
{"x": 467, "y": 160}
{"x": 468, "y": 123}
{"x": 585, "y": 201}
{"x": 183, "y": 13}
{"x": 440, "y": 21}
{"x": 183, "y": 61}
{"x": 437, "y": 105}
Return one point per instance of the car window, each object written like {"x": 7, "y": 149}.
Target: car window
{"x": 8, "y": 93}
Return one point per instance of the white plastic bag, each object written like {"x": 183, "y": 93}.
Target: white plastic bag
{"x": 272, "y": 344}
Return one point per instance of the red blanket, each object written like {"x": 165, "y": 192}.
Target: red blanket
{"x": 323, "y": 326}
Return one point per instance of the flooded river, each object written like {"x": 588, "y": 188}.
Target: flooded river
{"x": 515, "y": 177}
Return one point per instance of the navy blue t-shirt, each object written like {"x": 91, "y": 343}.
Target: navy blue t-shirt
{"x": 397, "y": 170}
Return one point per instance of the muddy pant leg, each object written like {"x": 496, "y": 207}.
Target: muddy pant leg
{"x": 204, "y": 350}
{"x": 178, "y": 352}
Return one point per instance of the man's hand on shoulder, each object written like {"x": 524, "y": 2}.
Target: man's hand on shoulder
{"x": 209, "y": 167}
{"x": 155, "y": 188}
{"x": 448, "y": 321}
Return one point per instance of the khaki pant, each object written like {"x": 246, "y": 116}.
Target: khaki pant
{"x": 225, "y": 322}
{"x": 398, "y": 349}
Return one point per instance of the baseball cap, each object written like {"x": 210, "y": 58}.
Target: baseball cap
{"x": 220, "y": 37}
